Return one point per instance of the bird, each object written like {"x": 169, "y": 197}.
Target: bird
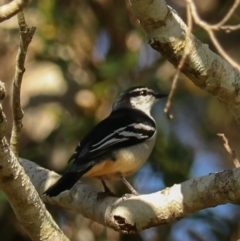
{"x": 118, "y": 145}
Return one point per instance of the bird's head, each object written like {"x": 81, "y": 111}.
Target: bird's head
{"x": 141, "y": 98}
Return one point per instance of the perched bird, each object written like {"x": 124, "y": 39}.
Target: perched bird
{"x": 117, "y": 146}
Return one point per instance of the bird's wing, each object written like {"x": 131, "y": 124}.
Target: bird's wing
{"x": 122, "y": 128}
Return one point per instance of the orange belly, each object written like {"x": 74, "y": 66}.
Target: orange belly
{"x": 128, "y": 160}
{"x": 106, "y": 170}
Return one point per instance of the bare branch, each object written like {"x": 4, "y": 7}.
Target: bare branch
{"x": 227, "y": 16}
{"x": 10, "y": 9}
{"x": 209, "y": 29}
{"x": 14, "y": 182}
{"x": 229, "y": 149}
{"x": 221, "y": 51}
{"x": 166, "y": 33}
{"x": 213, "y": 27}
{"x": 130, "y": 215}
{"x": 180, "y": 65}
{"x": 22, "y": 195}
{"x": 26, "y": 34}
{"x": 229, "y": 28}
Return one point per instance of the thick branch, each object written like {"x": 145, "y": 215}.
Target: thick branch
{"x": 180, "y": 65}
{"x": 22, "y": 195}
{"x": 141, "y": 212}
{"x": 14, "y": 182}
{"x": 166, "y": 33}
{"x": 10, "y": 9}
{"x": 26, "y": 34}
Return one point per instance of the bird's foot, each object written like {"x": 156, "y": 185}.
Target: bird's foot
{"x": 129, "y": 195}
{"x": 133, "y": 191}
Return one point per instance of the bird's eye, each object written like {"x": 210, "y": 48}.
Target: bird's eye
{"x": 143, "y": 92}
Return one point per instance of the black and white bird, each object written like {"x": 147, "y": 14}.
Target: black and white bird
{"x": 117, "y": 146}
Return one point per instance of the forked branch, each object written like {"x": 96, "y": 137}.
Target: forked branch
{"x": 26, "y": 34}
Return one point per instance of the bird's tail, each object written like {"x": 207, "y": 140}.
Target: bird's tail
{"x": 66, "y": 182}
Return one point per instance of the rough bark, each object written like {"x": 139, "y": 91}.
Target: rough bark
{"x": 166, "y": 33}
{"x": 137, "y": 213}
{"x": 21, "y": 194}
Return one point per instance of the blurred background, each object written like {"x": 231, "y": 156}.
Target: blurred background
{"x": 84, "y": 53}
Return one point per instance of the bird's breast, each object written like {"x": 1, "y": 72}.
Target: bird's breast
{"x": 127, "y": 161}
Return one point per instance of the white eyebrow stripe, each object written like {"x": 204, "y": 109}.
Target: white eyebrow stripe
{"x": 139, "y": 89}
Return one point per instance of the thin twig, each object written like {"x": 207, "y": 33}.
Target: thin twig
{"x": 230, "y": 28}
{"x": 221, "y": 51}
{"x": 209, "y": 29}
{"x": 26, "y": 34}
{"x": 229, "y": 149}
{"x": 217, "y": 26}
{"x": 180, "y": 65}
{"x": 227, "y": 16}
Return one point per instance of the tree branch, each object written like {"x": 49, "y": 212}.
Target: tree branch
{"x": 229, "y": 150}
{"x": 166, "y": 33}
{"x": 14, "y": 182}
{"x": 26, "y": 34}
{"x": 209, "y": 29}
{"x": 11, "y": 9}
{"x": 218, "y": 26}
{"x": 22, "y": 195}
{"x": 180, "y": 65}
{"x": 227, "y": 16}
{"x": 141, "y": 212}
{"x": 229, "y": 28}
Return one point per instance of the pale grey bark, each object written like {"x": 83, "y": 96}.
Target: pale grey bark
{"x": 14, "y": 182}
{"x": 12, "y": 8}
{"x": 22, "y": 196}
{"x": 166, "y": 33}
{"x": 137, "y": 213}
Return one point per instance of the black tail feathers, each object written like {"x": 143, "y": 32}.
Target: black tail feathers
{"x": 66, "y": 182}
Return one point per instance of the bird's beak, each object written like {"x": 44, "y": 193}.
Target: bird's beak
{"x": 158, "y": 96}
